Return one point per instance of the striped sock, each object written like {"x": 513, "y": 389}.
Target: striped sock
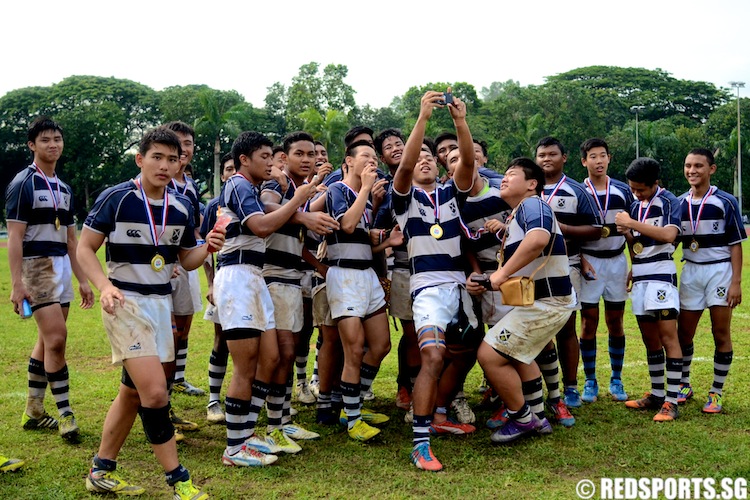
{"x": 237, "y": 413}
{"x": 656, "y": 372}
{"x": 286, "y": 412}
{"x": 674, "y": 369}
{"x": 180, "y": 360}
{"x": 588, "y": 357}
{"x": 37, "y": 379}
{"x": 275, "y": 405}
{"x": 550, "y": 369}
{"x": 534, "y": 396}
{"x": 522, "y": 416}
{"x": 259, "y": 395}
{"x": 421, "y": 429}
{"x": 352, "y": 402}
{"x": 59, "y": 383}
{"x": 217, "y": 369}
{"x": 722, "y": 362}
{"x": 318, "y": 345}
{"x": 300, "y": 364}
{"x": 367, "y": 374}
{"x": 617, "y": 356}
{"x": 324, "y": 401}
{"x": 687, "y": 359}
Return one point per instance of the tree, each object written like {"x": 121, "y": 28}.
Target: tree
{"x": 329, "y": 130}
{"x": 219, "y": 120}
{"x": 617, "y": 89}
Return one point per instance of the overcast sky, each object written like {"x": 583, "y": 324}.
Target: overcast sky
{"x": 247, "y": 46}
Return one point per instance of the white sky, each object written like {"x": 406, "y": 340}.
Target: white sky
{"x": 247, "y": 46}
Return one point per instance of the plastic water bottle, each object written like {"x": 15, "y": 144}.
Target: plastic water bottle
{"x": 25, "y": 309}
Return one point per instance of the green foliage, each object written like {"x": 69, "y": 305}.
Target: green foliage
{"x": 329, "y": 130}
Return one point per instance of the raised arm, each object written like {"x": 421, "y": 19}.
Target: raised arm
{"x": 463, "y": 176}
{"x": 413, "y": 147}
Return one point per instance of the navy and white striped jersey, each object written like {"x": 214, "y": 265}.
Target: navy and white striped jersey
{"x": 553, "y": 280}
{"x": 240, "y": 200}
{"x": 209, "y": 217}
{"x": 29, "y": 200}
{"x": 655, "y": 262}
{"x": 477, "y": 210}
{"x": 348, "y": 250}
{"x": 284, "y": 247}
{"x": 573, "y": 206}
{"x": 189, "y": 188}
{"x": 718, "y": 226}
{"x": 432, "y": 260}
{"x": 386, "y": 219}
{"x": 120, "y": 215}
{"x": 620, "y": 199}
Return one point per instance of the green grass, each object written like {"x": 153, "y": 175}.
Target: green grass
{"x": 607, "y": 440}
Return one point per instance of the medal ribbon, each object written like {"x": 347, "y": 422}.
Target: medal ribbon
{"x": 306, "y": 206}
{"x": 55, "y": 201}
{"x": 555, "y": 189}
{"x": 602, "y": 211}
{"x": 150, "y": 214}
{"x": 176, "y": 188}
{"x": 694, "y": 224}
{"x": 644, "y": 216}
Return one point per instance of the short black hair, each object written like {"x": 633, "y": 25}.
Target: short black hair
{"x": 590, "y": 144}
{"x": 430, "y": 144}
{"x": 547, "y": 142}
{"x": 354, "y": 132}
{"x": 643, "y": 170}
{"x": 40, "y": 124}
{"x": 181, "y": 128}
{"x": 351, "y": 149}
{"x": 704, "y": 152}
{"x": 247, "y": 143}
{"x": 530, "y": 171}
{"x": 226, "y": 157}
{"x": 277, "y": 149}
{"x": 385, "y": 134}
{"x": 160, "y": 135}
{"x": 482, "y": 144}
{"x": 445, "y": 136}
{"x": 296, "y": 137}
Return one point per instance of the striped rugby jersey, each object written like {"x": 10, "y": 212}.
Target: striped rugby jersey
{"x": 189, "y": 189}
{"x": 348, "y": 250}
{"x": 573, "y": 206}
{"x": 240, "y": 200}
{"x": 553, "y": 280}
{"x": 655, "y": 262}
{"x": 29, "y": 200}
{"x": 432, "y": 261}
{"x": 620, "y": 199}
{"x": 718, "y": 226}
{"x": 284, "y": 247}
{"x": 477, "y": 210}
{"x": 119, "y": 214}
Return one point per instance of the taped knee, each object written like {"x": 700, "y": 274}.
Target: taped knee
{"x": 156, "y": 424}
{"x": 126, "y": 380}
{"x": 431, "y": 336}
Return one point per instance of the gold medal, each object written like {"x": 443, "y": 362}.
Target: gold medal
{"x": 436, "y": 231}
{"x": 57, "y": 223}
{"x": 694, "y": 246}
{"x": 301, "y": 235}
{"x": 605, "y": 232}
{"x": 637, "y": 247}
{"x": 157, "y": 263}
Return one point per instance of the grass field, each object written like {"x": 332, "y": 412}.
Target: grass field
{"x": 607, "y": 441}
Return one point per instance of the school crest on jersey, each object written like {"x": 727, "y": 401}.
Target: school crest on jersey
{"x": 661, "y": 295}
{"x": 561, "y": 203}
{"x": 716, "y": 226}
{"x": 175, "y": 236}
{"x": 721, "y": 292}
{"x": 452, "y": 207}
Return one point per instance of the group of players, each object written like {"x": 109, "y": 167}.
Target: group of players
{"x": 300, "y": 245}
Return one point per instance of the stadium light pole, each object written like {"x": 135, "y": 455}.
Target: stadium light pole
{"x": 637, "y": 146}
{"x": 738, "y": 86}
